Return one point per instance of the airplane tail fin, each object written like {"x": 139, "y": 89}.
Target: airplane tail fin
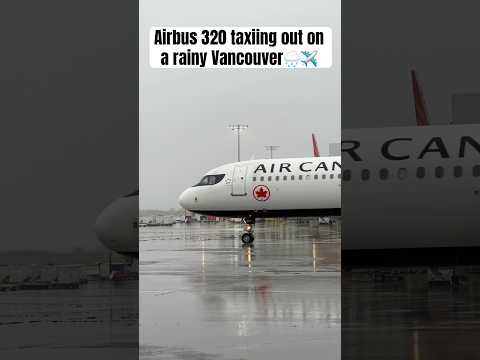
{"x": 316, "y": 153}
{"x": 420, "y": 107}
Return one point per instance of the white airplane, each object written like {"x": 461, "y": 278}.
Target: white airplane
{"x": 403, "y": 188}
{"x": 117, "y": 225}
{"x": 411, "y": 187}
{"x": 268, "y": 188}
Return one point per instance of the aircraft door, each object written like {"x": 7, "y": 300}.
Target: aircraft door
{"x": 239, "y": 181}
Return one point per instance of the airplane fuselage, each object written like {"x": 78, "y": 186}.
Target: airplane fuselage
{"x": 269, "y": 188}
{"x": 411, "y": 187}
{"x": 403, "y": 187}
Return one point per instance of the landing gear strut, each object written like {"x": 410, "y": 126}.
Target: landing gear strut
{"x": 247, "y": 236}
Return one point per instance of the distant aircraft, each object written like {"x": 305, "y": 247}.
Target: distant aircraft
{"x": 117, "y": 225}
{"x": 310, "y": 57}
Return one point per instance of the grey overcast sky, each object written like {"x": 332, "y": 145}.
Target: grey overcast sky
{"x": 387, "y": 40}
{"x": 184, "y": 114}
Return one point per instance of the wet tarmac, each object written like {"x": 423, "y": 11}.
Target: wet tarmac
{"x": 205, "y": 296}
{"x": 96, "y": 321}
{"x": 402, "y": 314}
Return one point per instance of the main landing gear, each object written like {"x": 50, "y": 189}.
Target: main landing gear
{"x": 247, "y": 236}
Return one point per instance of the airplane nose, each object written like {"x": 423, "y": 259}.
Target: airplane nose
{"x": 185, "y": 199}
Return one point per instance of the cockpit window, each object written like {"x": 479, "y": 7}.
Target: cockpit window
{"x": 134, "y": 193}
{"x": 210, "y": 180}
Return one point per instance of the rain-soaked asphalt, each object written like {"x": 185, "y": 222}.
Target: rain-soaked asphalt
{"x": 205, "y": 296}
{"x": 399, "y": 314}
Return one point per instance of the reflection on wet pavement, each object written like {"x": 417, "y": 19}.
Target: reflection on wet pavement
{"x": 406, "y": 316}
{"x": 205, "y": 296}
{"x": 97, "y": 320}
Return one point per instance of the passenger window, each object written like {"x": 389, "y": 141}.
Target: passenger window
{"x": 365, "y": 174}
{"x": 339, "y": 175}
{"x": 307, "y": 177}
{"x": 383, "y": 174}
{"x": 254, "y": 179}
{"x": 315, "y": 177}
{"x": 277, "y": 178}
{"x": 331, "y": 176}
{"x": 324, "y": 176}
{"x": 439, "y": 172}
{"x": 420, "y": 172}
{"x": 269, "y": 178}
{"x": 457, "y": 171}
{"x": 476, "y": 171}
{"x": 402, "y": 173}
{"x": 262, "y": 178}
{"x": 346, "y": 175}
{"x": 300, "y": 177}
{"x": 292, "y": 177}
{"x": 285, "y": 177}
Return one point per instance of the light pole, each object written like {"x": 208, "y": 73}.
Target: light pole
{"x": 271, "y": 148}
{"x": 238, "y": 128}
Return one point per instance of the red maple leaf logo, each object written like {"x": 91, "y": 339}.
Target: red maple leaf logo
{"x": 261, "y": 193}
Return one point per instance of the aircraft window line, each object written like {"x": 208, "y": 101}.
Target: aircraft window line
{"x": 383, "y": 174}
{"x": 210, "y": 180}
{"x": 420, "y": 172}
{"x": 457, "y": 171}
{"x": 476, "y": 171}
{"x": 365, "y": 174}
{"x": 402, "y": 173}
{"x": 439, "y": 171}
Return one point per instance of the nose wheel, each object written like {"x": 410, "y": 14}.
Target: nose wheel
{"x": 247, "y": 236}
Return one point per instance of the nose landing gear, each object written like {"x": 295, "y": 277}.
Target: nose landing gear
{"x": 247, "y": 236}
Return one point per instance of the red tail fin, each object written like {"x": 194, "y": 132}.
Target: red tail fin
{"x": 316, "y": 153}
{"x": 420, "y": 108}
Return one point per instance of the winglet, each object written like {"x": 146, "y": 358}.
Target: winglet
{"x": 420, "y": 107}
{"x": 316, "y": 153}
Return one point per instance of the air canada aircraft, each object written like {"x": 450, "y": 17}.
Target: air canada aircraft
{"x": 403, "y": 187}
{"x": 268, "y": 188}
